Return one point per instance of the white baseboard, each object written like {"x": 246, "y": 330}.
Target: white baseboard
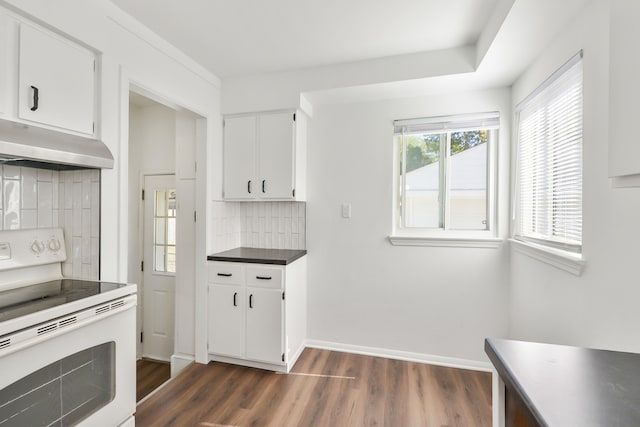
{"x": 179, "y": 362}
{"x": 450, "y": 362}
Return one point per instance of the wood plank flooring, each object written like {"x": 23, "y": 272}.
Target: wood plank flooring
{"x": 325, "y": 388}
{"x": 150, "y": 374}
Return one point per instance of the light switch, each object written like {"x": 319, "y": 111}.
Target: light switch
{"x": 346, "y": 210}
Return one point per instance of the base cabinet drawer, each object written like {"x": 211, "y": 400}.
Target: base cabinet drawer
{"x": 226, "y": 272}
{"x": 266, "y": 277}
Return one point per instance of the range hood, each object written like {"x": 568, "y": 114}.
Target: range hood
{"x": 32, "y": 146}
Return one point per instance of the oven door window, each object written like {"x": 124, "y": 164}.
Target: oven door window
{"x": 62, "y": 393}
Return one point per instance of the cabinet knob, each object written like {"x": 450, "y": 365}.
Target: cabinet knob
{"x": 36, "y": 98}
{"x": 263, "y": 277}
{"x": 251, "y": 301}
{"x": 263, "y": 181}
{"x": 235, "y": 299}
{"x": 249, "y": 187}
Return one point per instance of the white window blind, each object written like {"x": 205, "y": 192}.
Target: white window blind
{"x": 549, "y": 162}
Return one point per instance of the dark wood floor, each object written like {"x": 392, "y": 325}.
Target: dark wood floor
{"x": 325, "y": 388}
{"x": 150, "y": 375}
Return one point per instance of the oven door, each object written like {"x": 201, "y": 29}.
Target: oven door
{"x": 82, "y": 374}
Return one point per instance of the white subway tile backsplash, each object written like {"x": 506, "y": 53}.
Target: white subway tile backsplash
{"x": 45, "y": 175}
{"x": 279, "y": 225}
{"x": 46, "y": 198}
{"x": 55, "y": 190}
{"x": 11, "y": 172}
{"x": 76, "y": 256}
{"x": 86, "y": 192}
{"x": 29, "y": 218}
{"x": 86, "y": 227}
{"x": 86, "y": 250}
{"x": 76, "y": 224}
{"x": 29, "y": 197}
{"x": 11, "y": 204}
{"x": 77, "y": 196}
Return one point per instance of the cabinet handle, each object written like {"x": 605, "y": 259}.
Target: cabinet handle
{"x": 36, "y": 98}
{"x": 235, "y": 299}
{"x": 251, "y": 301}
{"x": 263, "y": 181}
{"x": 249, "y": 187}
{"x": 225, "y": 274}
{"x": 263, "y": 277}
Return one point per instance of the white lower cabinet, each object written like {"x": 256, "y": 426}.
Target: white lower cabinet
{"x": 225, "y": 308}
{"x": 257, "y": 313}
{"x": 264, "y": 325}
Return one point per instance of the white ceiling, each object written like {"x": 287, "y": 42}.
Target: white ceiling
{"x": 235, "y": 38}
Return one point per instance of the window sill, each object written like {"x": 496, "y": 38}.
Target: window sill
{"x": 453, "y": 242}
{"x": 569, "y": 262}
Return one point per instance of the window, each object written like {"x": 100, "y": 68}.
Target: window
{"x": 444, "y": 178}
{"x": 165, "y": 231}
{"x": 549, "y": 162}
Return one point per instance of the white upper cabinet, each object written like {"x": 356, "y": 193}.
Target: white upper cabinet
{"x": 56, "y": 81}
{"x": 6, "y": 52}
{"x": 240, "y": 158}
{"x": 276, "y": 154}
{"x": 265, "y": 156}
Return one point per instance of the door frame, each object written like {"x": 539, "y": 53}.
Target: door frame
{"x": 208, "y": 127}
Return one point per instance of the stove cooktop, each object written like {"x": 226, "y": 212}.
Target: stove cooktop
{"x": 31, "y": 299}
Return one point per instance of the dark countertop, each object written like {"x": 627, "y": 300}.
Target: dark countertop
{"x": 259, "y": 255}
{"x": 570, "y": 386}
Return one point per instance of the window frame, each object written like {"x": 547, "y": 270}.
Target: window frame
{"x": 443, "y": 236}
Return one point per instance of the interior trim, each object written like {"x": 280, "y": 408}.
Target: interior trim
{"x": 567, "y": 261}
{"x": 456, "y": 242}
{"x": 430, "y": 359}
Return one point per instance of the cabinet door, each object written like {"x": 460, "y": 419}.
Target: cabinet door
{"x": 62, "y": 74}
{"x": 240, "y": 158}
{"x": 6, "y": 52}
{"x": 225, "y": 320}
{"x": 624, "y": 86}
{"x": 264, "y": 325}
{"x": 276, "y": 138}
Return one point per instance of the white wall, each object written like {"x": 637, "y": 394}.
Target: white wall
{"x": 362, "y": 290}
{"x": 599, "y": 308}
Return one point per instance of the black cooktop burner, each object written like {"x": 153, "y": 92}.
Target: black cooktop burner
{"x": 30, "y": 299}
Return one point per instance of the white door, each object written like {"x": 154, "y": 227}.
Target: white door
{"x": 264, "y": 325}
{"x": 159, "y": 265}
{"x": 276, "y": 141}
{"x": 56, "y": 81}
{"x": 240, "y": 158}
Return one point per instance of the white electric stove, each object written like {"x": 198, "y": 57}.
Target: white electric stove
{"x": 67, "y": 346}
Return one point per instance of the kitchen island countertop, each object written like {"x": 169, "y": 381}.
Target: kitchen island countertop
{"x": 259, "y": 255}
{"x": 559, "y": 385}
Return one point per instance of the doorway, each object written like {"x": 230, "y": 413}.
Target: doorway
{"x": 161, "y": 238}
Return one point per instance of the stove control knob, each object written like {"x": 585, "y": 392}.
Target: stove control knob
{"x": 37, "y": 247}
{"x": 54, "y": 245}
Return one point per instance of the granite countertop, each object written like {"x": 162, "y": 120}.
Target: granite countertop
{"x": 259, "y": 255}
{"x": 570, "y": 386}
